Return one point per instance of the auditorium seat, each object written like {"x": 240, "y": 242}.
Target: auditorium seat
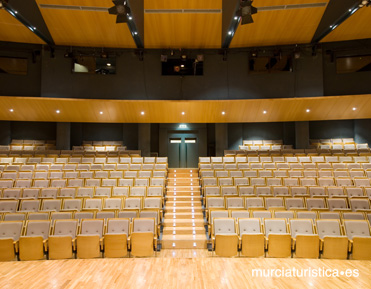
{"x": 237, "y": 214}
{"x": 90, "y": 238}
{"x": 62, "y": 241}
{"x": 116, "y": 238}
{"x": 359, "y": 236}
{"x": 8, "y": 206}
{"x": 305, "y": 241}
{"x": 143, "y": 238}
{"x": 251, "y": 237}
{"x": 334, "y": 245}
{"x": 224, "y": 237}
{"x": 15, "y": 216}
{"x": 38, "y": 216}
{"x": 278, "y": 238}
{"x": 10, "y": 233}
{"x": 33, "y": 242}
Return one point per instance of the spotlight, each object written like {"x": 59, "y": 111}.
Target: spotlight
{"x": 163, "y": 58}
{"x": 246, "y": 11}
{"x": 121, "y": 9}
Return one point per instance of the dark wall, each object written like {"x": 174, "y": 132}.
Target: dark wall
{"x": 22, "y": 85}
{"x": 331, "y": 129}
{"x": 347, "y": 83}
{"x": 5, "y": 133}
{"x": 33, "y": 130}
{"x": 362, "y": 131}
{"x": 155, "y": 130}
{"x": 237, "y": 132}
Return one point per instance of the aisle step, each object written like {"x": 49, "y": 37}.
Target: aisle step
{"x": 184, "y": 209}
{"x": 183, "y": 223}
{"x": 183, "y": 230}
{"x": 184, "y": 215}
{"x": 183, "y": 204}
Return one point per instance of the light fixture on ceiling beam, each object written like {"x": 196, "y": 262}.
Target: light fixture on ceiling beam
{"x": 3, "y": 3}
{"x": 121, "y": 9}
{"x": 246, "y": 11}
{"x": 366, "y": 3}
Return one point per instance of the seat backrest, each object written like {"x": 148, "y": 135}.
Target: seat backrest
{"x": 72, "y": 204}
{"x": 105, "y": 215}
{"x": 249, "y": 226}
{"x": 120, "y": 191}
{"x": 215, "y": 202}
{"x": 328, "y": 228}
{"x": 118, "y": 226}
{"x": 85, "y": 192}
{"x": 130, "y": 214}
{"x": 359, "y": 204}
{"x": 275, "y": 226}
{"x": 353, "y": 216}
{"x": 143, "y": 225}
{"x": 306, "y": 215}
{"x": 292, "y": 203}
{"x": 218, "y": 214}
{"x": 358, "y": 228}
{"x": 154, "y": 191}
{"x": 15, "y": 216}
{"x": 329, "y": 215}
{"x": 153, "y": 202}
{"x": 273, "y": 202}
{"x": 284, "y": 214}
{"x": 65, "y": 228}
{"x": 93, "y": 204}
{"x": 133, "y": 203}
{"x": 32, "y": 193}
{"x": 229, "y": 191}
{"x": 236, "y": 214}
{"x": 262, "y": 214}
{"x": 38, "y": 228}
{"x": 224, "y": 226}
{"x": 337, "y": 204}
{"x": 50, "y": 193}
{"x": 138, "y": 191}
{"x": 235, "y": 202}
{"x": 315, "y": 203}
{"x": 30, "y": 205}
{"x": 60, "y": 216}
{"x": 246, "y": 191}
{"x": 103, "y": 191}
{"x": 8, "y": 206}
{"x": 301, "y": 227}
{"x": 113, "y": 203}
{"x": 11, "y": 230}
{"x": 92, "y": 227}
{"x": 254, "y": 203}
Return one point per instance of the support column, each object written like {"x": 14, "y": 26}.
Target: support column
{"x": 144, "y": 139}
{"x": 302, "y": 134}
{"x": 63, "y": 136}
{"x": 221, "y": 138}
{"x": 5, "y": 133}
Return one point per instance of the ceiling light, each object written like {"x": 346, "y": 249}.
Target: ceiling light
{"x": 308, "y": 110}
{"x": 229, "y": 32}
{"x": 223, "y": 112}
{"x": 264, "y": 111}
{"x": 183, "y": 113}
{"x": 142, "y": 113}
{"x": 246, "y": 11}
{"x": 101, "y": 112}
{"x": 235, "y": 18}
{"x": 57, "y": 111}
{"x": 130, "y": 18}
{"x": 121, "y": 9}
{"x": 135, "y": 33}
{"x": 11, "y": 110}
{"x": 15, "y": 11}
{"x": 109, "y": 64}
{"x": 182, "y": 65}
{"x": 354, "y": 108}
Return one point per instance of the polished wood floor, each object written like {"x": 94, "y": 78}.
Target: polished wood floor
{"x": 182, "y": 268}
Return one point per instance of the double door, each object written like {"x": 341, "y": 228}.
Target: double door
{"x": 183, "y": 150}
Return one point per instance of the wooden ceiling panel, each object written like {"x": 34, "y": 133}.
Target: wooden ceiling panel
{"x": 279, "y": 27}
{"x": 183, "y": 4}
{"x": 356, "y": 26}
{"x": 201, "y": 111}
{"x": 85, "y": 28}
{"x": 14, "y": 31}
{"x": 182, "y": 30}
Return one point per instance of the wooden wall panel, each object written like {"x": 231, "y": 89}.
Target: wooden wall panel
{"x": 85, "y": 28}
{"x": 14, "y": 31}
{"x": 202, "y": 111}
{"x": 183, "y": 4}
{"x": 279, "y": 27}
{"x": 356, "y": 26}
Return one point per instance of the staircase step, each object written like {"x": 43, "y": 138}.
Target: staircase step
{"x": 183, "y": 230}
{"x": 183, "y": 223}
{"x": 184, "y": 242}
{"x": 183, "y": 209}
{"x": 183, "y": 215}
{"x": 183, "y": 193}
{"x": 183, "y": 204}
{"x": 183, "y": 198}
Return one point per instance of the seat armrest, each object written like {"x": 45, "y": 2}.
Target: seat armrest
{"x": 293, "y": 243}
{"x": 45, "y": 245}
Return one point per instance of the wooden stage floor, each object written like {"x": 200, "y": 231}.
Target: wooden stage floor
{"x": 181, "y": 269}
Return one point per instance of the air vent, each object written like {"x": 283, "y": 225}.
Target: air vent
{"x": 293, "y": 6}
{"x": 193, "y": 11}
{"x": 71, "y": 7}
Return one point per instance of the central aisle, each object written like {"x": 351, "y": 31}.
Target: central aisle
{"x": 183, "y": 221}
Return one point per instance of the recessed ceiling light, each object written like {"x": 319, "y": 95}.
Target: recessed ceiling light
{"x": 101, "y": 112}
{"x": 135, "y": 33}
{"x": 57, "y": 111}
{"x": 11, "y": 110}
{"x": 183, "y": 113}
{"x": 16, "y": 12}
{"x": 354, "y": 108}
{"x": 142, "y": 113}
{"x": 235, "y": 17}
{"x": 109, "y": 64}
{"x": 308, "y": 110}
{"x": 130, "y": 17}
{"x": 223, "y": 112}
{"x": 264, "y": 111}
{"x": 182, "y": 65}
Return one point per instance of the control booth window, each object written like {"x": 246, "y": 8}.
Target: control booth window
{"x": 94, "y": 65}
{"x": 12, "y": 65}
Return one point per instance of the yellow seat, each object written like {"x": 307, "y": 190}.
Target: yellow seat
{"x": 62, "y": 242}
{"x": 224, "y": 237}
{"x": 116, "y": 238}
{"x": 251, "y": 237}
{"x": 143, "y": 239}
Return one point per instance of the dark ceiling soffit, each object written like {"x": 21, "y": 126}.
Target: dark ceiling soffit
{"x": 230, "y": 8}
{"x": 136, "y": 25}
{"x": 335, "y": 14}
{"x": 29, "y": 15}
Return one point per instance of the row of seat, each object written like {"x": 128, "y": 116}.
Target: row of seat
{"x": 99, "y": 148}
{"x": 89, "y": 182}
{"x": 287, "y": 181}
{"x": 286, "y": 159}
{"x": 287, "y": 191}
{"x": 314, "y": 203}
{"x": 80, "y": 192}
{"x": 33, "y": 240}
{"x": 78, "y": 204}
{"x": 82, "y": 160}
{"x": 284, "y": 238}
